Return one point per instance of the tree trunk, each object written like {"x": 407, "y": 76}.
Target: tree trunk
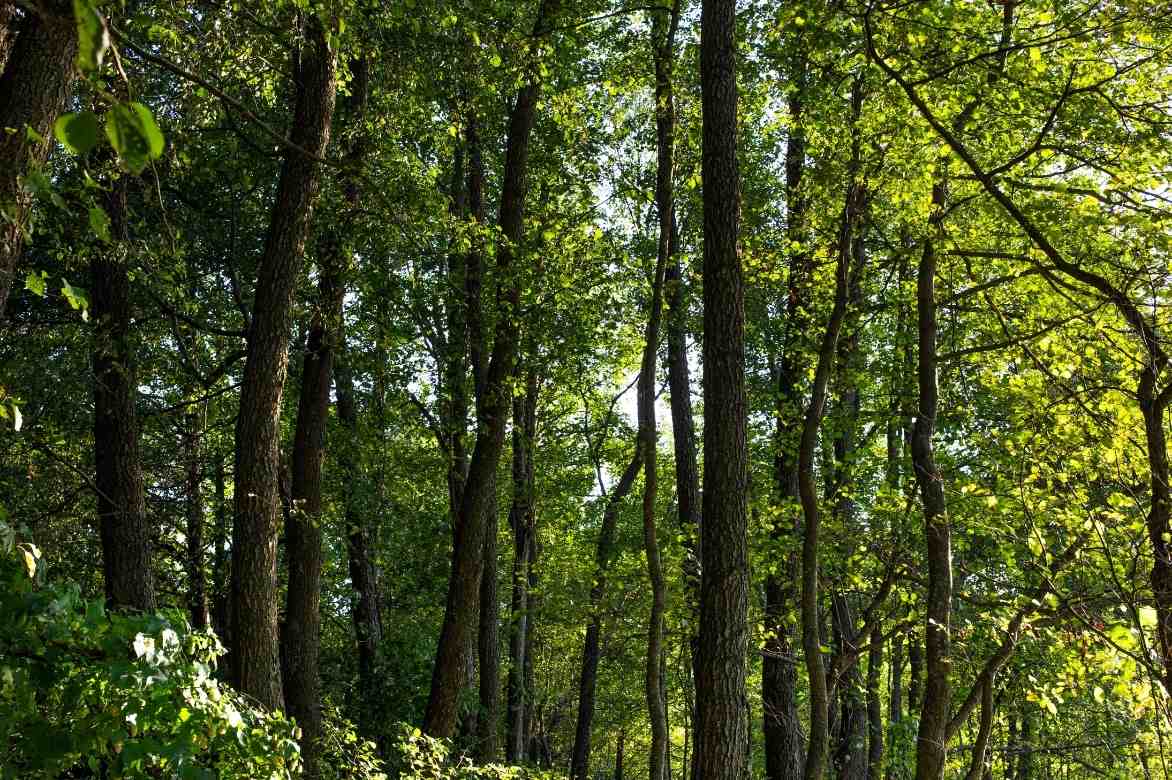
{"x": 522, "y": 522}
{"x": 816, "y": 752}
{"x": 255, "y": 663}
{"x": 663, "y": 42}
{"x": 33, "y": 90}
{"x": 488, "y": 650}
{"x": 931, "y": 744}
{"x": 301, "y": 638}
{"x": 588, "y": 679}
{"x": 221, "y": 620}
{"x": 875, "y": 704}
{"x": 721, "y": 705}
{"x": 365, "y": 613}
{"x": 121, "y": 499}
{"x": 197, "y": 590}
{"x": 468, "y": 554}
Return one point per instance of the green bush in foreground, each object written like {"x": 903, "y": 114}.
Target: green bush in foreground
{"x": 85, "y": 690}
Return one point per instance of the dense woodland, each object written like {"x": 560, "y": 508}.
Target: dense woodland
{"x": 701, "y": 390}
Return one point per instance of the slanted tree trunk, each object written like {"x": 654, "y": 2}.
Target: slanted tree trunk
{"x": 721, "y": 706}
{"x": 34, "y": 86}
{"x": 522, "y": 524}
{"x": 255, "y": 656}
{"x": 588, "y": 678}
{"x": 121, "y": 499}
{"x": 468, "y": 555}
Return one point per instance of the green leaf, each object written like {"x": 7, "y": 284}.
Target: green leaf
{"x": 77, "y": 132}
{"x": 35, "y": 283}
{"x": 76, "y": 297}
{"x": 100, "y": 223}
{"x": 134, "y": 135}
{"x": 92, "y": 37}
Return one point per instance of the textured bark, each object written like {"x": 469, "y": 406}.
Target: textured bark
{"x": 301, "y": 636}
{"x": 875, "y": 704}
{"x": 721, "y": 705}
{"x": 588, "y": 678}
{"x": 488, "y": 650}
{"x": 931, "y": 743}
{"x": 977, "y": 762}
{"x": 121, "y": 496}
{"x": 468, "y": 555}
{"x": 850, "y": 737}
{"x": 197, "y": 589}
{"x": 620, "y": 748}
{"x": 522, "y": 522}
{"x": 255, "y": 664}
{"x": 915, "y": 657}
{"x": 33, "y": 89}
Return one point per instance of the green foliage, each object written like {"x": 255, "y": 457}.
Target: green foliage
{"x": 83, "y": 689}
{"x": 420, "y": 757}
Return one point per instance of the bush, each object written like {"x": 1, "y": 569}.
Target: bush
{"x": 86, "y": 691}
{"x": 421, "y": 757}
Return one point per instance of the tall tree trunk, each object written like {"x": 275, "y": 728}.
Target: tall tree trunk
{"x": 663, "y": 42}
{"x": 488, "y": 649}
{"x": 121, "y": 499}
{"x": 521, "y": 522}
{"x": 894, "y": 702}
{"x": 197, "y": 589}
{"x": 365, "y": 613}
{"x": 468, "y": 555}
{"x": 34, "y": 86}
{"x": 782, "y": 729}
{"x": 721, "y": 705}
{"x": 816, "y": 752}
{"x": 536, "y": 755}
{"x": 931, "y": 744}
{"x": 875, "y": 704}
{"x": 301, "y": 637}
{"x": 850, "y": 753}
{"x": 255, "y": 656}
{"x": 588, "y": 679}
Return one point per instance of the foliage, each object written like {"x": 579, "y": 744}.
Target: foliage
{"x": 117, "y": 694}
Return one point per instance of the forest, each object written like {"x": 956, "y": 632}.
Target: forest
{"x": 680, "y": 389}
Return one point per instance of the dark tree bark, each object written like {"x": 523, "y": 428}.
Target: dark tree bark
{"x": 468, "y": 554}
{"x": 721, "y": 705}
{"x": 488, "y": 650}
{"x": 783, "y": 739}
{"x": 588, "y": 679}
{"x": 121, "y": 499}
{"x": 915, "y": 657}
{"x": 255, "y": 662}
{"x": 875, "y": 704}
{"x": 522, "y": 522}
{"x": 850, "y": 739}
{"x": 895, "y": 700}
{"x": 197, "y": 589}
{"x": 538, "y": 749}
{"x": 301, "y": 636}
{"x": 33, "y": 89}
{"x": 620, "y": 748}
{"x": 931, "y": 744}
